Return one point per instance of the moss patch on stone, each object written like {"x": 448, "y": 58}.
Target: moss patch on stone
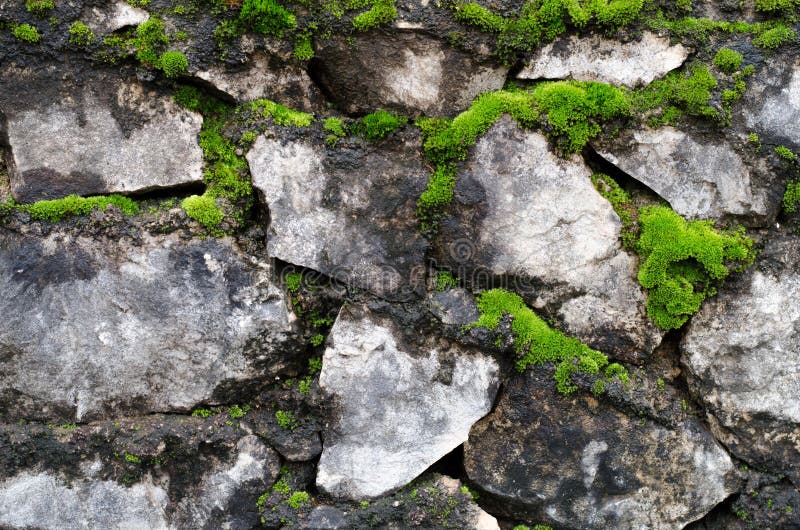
{"x": 57, "y": 209}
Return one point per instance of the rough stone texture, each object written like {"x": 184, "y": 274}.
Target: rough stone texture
{"x": 771, "y": 106}
{"x": 113, "y": 17}
{"x": 526, "y": 213}
{"x": 94, "y": 133}
{"x": 330, "y": 210}
{"x": 699, "y": 178}
{"x": 405, "y": 70}
{"x": 580, "y": 463}
{"x": 266, "y": 76}
{"x": 41, "y": 500}
{"x": 95, "y": 327}
{"x": 398, "y": 408}
{"x": 595, "y": 58}
{"x": 742, "y": 351}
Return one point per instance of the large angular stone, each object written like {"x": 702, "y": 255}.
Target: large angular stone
{"x": 594, "y": 58}
{"x": 408, "y": 71}
{"x": 699, "y": 178}
{"x": 742, "y": 351}
{"x": 95, "y": 328}
{"x": 349, "y": 213}
{"x": 526, "y": 214}
{"x": 580, "y": 463}
{"x": 771, "y": 106}
{"x": 93, "y": 133}
{"x": 398, "y": 407}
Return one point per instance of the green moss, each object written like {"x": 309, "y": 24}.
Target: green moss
{"x": 149, "y": 40}
{"x": 791, "y": 198}
{"x": 682, "y": 262}
{"x": 26, "y": 33}
{"x": 286, "y": 420}
{"x": 204, "y": 210}
{"x": 776, "y": 37}
{"x": 55, "y": 210}
{"x": 476, "y": 15}
{"x": 445, "y": 280}
{"x": 786, "y": 153}
{"x": 202, "y": 413}
{"x": 293, "y": 282}
{"x": 728, "y": 60}
{"x": 678, "y": 93}
{"x": 173, "y": 63}
{"x": 236, "y": 412}
{"x": 335, "y": 126}
{"x": 297, "y": 499}
{"x": 80, "y": 34}
{"x": 282, "y": 487}
{"x": 379, "y": 124}
{"x": 381, "y": 12}
{"x": 39, "y": 8}
{"x": 303, "y": 47}
{"x": 279, "y": 114}
{"x": 536, "y": 343}
{"x": 775, "y": 5}
{"x": 314, "y": 365}
{"x": 133, "y": 459}
{"x": 623, "y": 206}
{"x": 266, "y": 17}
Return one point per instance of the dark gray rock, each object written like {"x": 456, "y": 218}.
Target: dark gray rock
{"x": 348, "y": 212}
{"x": 95, "y": 327}
{"x": 580, "y": 463}
{"x": 529, "y": 220}
{"x": 771, "y": 106}
{"x": 93, "y": 132}
{"x": 397, "y": 408}
{"x": 742, "y": 352}
{"x": 404, "y": 70}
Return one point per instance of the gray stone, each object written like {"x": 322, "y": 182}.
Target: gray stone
{"x": 94, "y": 327}
{"x": 330, "y": 210}
{"x": 742, "y": 352}
{"x": 398, "y": 407}
{"x": 265, "y": 76}
{"x": 771, "y": 106}
{"x": 326, "y": 518}
{"x": 700, "y": 179}
{"x": 93, "y": 134}
{"x": 525, "y": 213}
{"x": 405, "y": 70}
{"x": 595, "y": 58}
{"x": 580, "y": 463}
{"x": 42, "y": 500}
{"x": 113, "y": 17}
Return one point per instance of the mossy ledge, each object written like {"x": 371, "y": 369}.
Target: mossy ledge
{"x": 537, "y": 343}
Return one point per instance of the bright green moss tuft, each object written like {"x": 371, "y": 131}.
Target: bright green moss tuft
{"x": 775, "y": 5}
{"x": 381, "y": 12}
{"x": 786, "y": 153}
{"x": 39, "y": 8}
{"x": 537, "y": 343}
{"x": 303, "y": 47}
{"x": 266, "y": 17}
{"x": 80, "y": 34}
{"x": 379, "y": 124}
{"x": 682, "y": 261}
{"x": 775, "y": 38}
{"x": 445, "y": 280}
{"x": 280, "y": 115}
{"x": 26, "y": 33}
{"x": 478, "y": 16}
{"x": 173, "y": 63}
{"x": 297, "y": 499}
{"x": 286, "y": 420}
{"x": 791, "y": 198}
{"x": 150, "y": 38}
{"x": 55, "y": 210}
{"x": 728, "y": 60}
{"x": 204, "y": 210}
{"x": 676, "y": 94}
{"x": 335, "y": 126}
{"x": 437, "y": 196}
{"x": 293, "y": 282}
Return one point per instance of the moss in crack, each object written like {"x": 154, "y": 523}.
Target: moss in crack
{"x": 791, "y": 197}
{"x": 378, "y": 125}
{"x": 204, "y": 209}
{"x": 380, "y": 12}
{"x": 266, "y": 17}
{"x": 537, "y": 343}
{"x": 173, "y": 63}
{"x": 623, "y": 206}
{"x": 55, "y": 210}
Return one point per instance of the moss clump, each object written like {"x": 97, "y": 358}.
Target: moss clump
{"x": 667, "y": 99}
{"x": 55, "y": 210}
{"x": 681, "y": 262}
{"x": 728, "y": 60}
{"x": 776, "y": 37}
{"x": 622, "y": 204}
{"x": 786, "y": 153}
{"x": 303, "y": 47}
{"x": 80, "y": 34}
{"x": 791, "y": 198}
{"x": 775, "y": 5}
{"x": 293, "y": 282}
{"x": 279, "y": 114}
{"x": 445, "y": 280}
{"x": 26, "y": 33}
{"x": 173, "y": 63}
{"x": 266, "y": 17}
{"x": 379, "y": 124}
{"x": 286, "y": 420}
{"x": 297, "y": 499}
{"x": 39, "y": 8}
{"x": 381, "y": 12}
{"x": 204, "y": 209}
{"x": 336, "y": 129}
{"x": 537, "y": 343}
{"x": 149, "y": 40}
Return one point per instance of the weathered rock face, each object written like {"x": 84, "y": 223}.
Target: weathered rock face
{"x": 330, "y": 210}
{"x": 742, "y": 352}
{"x": 94, "y": 133}
{"x": 113, "y": 17}
{"x": 771, "y": 106}
{"x": 700, "y": 179}
{"x": 524, "y": 212}
{"x": 95, "y": 328}
{"x": 595, "y": 58}
{"x": 407, "y": 71}
{"x": 266, "y": 76}
{"x": 580, "y": 463}
{"x": 398, "y": 407}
